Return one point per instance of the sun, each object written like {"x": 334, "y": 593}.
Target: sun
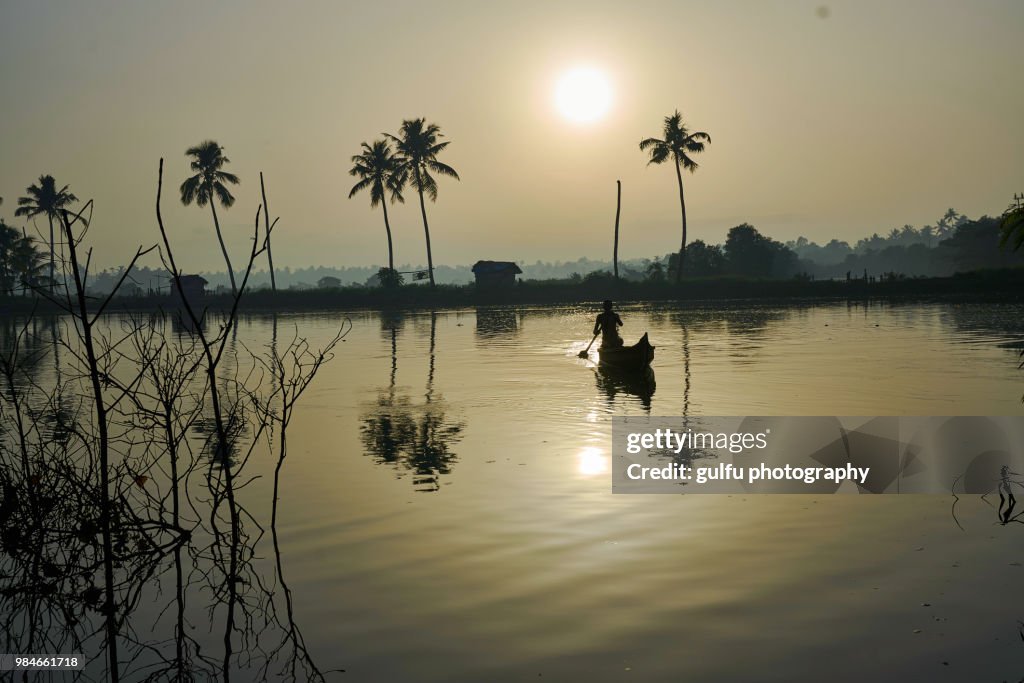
{"x": 583, "y": 95}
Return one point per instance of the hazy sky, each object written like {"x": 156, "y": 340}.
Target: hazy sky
{"x": 830, "y": 123}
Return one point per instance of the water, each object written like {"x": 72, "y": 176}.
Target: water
{"x": 446, "y": 512}
{"x": 503, "y": 555}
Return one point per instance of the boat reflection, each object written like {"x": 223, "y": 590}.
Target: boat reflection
{"x": 613, "y": 382}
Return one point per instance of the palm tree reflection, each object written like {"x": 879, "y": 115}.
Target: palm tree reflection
{"x": 409, "y": 437}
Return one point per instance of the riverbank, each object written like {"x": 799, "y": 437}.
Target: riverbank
{"x": 985, "y": 286}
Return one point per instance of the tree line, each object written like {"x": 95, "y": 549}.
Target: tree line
{"x": 388, "y": 166}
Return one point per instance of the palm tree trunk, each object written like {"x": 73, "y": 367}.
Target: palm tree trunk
{"x": 52, "y": 267}
{"x": 387, "y": 227}
{"x": 426, "y": 228}
{"x": 266, "y": 225}
{"x": 224, "y": 250}
{"x": 618, "y": 207}
{"x": 682, "y": 207}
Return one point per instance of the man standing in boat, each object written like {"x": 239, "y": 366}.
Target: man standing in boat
{"x": 608, "y": 324}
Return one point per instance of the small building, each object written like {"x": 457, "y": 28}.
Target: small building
{"x": 192, "y": 286}
{"x": 328, "y": 282}
{"x": 495, "y": 273}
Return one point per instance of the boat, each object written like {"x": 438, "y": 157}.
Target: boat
{"x": 636, "y": 357}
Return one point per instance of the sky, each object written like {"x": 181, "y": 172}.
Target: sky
{"x": 827, "y": 120}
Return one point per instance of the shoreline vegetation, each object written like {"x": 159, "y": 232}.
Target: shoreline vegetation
{"x": 981, "y": 286}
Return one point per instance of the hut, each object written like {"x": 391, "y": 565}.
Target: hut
{"x": 328, "y": 282}
{"x": 495, "y": 273}
{"x": 192, "y": 286}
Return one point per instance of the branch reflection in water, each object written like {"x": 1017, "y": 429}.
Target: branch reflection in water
{"x": 123, "y": 535}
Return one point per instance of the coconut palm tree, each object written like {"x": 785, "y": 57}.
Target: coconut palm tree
{"x": 45, "y": 199}
{"x": 9, "y": 238}
{"x": 1011, "y": 224}
{"x": 208, "y": 185}
{"x": 380, "y": 170}
{"x": 676, "y": 145}
{"x": 23, "y": 263}
{"x": 26, "y": 262}
{"x": 417, "y": 146}
{"x": 20, "y": 261}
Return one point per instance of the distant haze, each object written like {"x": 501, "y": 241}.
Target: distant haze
{"x": 825, "y": 123}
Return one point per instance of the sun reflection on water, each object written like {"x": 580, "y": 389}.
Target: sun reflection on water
{"x": 591, "y": 462}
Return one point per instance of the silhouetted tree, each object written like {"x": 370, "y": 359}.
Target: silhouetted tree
{"x": 20, "y": 261}
{"x": 950, "y": 221}
{"x": 677, "y": 143}
{"x": 45, "y": 199}
{"x": 1011, "y": 225}
{"x": 974, "y": 245}
{"x": 418, "y": 146}
{"x": 655, "y": 271}
{"x": 702, "y": 259}
{"x": 208, "y": 184}
{"x": 750, "y": 253}
{"x": 380, "y": 171}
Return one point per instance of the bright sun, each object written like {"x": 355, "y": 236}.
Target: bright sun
{"x": 583, "y": 95}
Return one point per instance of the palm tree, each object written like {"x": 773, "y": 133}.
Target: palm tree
{"x": 417, "y": 146}
{"x": 20, "y": 261}
{"x": 381, "y": 171}
{"x": 208, "y": 185}
{"x": 677, "y": 143}
{"x": 25, "y": 262}
{"x": 1011, "y": 224}
{"x": 9, "y": 238}
{"x": 46, "y": 199}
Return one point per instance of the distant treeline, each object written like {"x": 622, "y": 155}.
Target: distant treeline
{"x": 954, "y": 244}
{"x": 958, "y": 245}
{"x": 147, "y": 279}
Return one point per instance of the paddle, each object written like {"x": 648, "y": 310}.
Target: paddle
{"x": 585, "y": 352}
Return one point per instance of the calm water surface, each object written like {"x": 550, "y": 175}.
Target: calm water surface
{"x": 447, "y": 513}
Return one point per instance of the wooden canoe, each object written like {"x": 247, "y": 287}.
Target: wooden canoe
{"x": 636, "y": 357}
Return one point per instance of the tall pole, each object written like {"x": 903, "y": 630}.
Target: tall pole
{"x": 266, "y": 223}
{"x": 618, "y": 209}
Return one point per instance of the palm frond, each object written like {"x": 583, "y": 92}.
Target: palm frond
{"x": 649, "y": 142}
{"x": 396, "y": 183}
{"x": 28, "y": 209}
{"x": 360, "y": 186}
{"x": 660, "y": 154}
{"x": 443, "y": 169}
{"x": 1011, "y": 228}
{"x": 190, "y": 190}
{"x": 427, "y": 185}
{"x": 224, "y": 176}
{"x": 223, "y": 194}
{"x": 432, "y": 150}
